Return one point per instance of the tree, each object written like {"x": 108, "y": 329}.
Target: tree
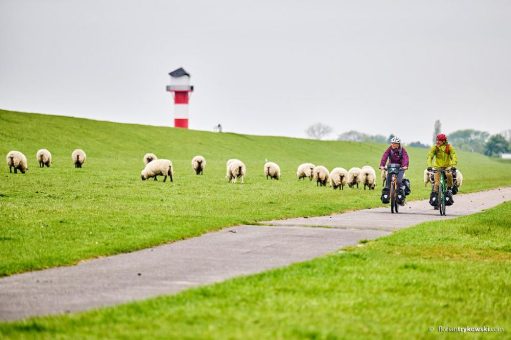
{"x": 496, "y": 145}
{"x": 318, "y": 131}
{"x": 469, "y": 140}
{"x": 437, "y": 130}
{"x": 507, "y": 135}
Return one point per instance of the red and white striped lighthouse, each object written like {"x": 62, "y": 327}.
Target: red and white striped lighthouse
{"x": 180, "y": 88}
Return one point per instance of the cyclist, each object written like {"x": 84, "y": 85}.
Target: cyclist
{"x": 445, "y": 159}
{"x": 395, "y": 154}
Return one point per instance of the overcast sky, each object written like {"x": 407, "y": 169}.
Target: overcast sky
{"x": 264, "y": 67}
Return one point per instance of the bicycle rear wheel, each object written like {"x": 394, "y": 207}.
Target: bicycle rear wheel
{"x": 393, "y": 198}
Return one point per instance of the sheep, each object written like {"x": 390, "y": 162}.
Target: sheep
{"x": 338, "y": 178}
{"x": 78, "y": 157}
{"x": 148, "y": 157}
{"x": 459, "y": 178}
{"x": 368, "y": 177}
{"x": 383, "y": 175}
{"x": 198, "y": 164}
{"x": 305, "y": 170}
{"x": 272, "y": 170}
{"x": 158, "y": 167}
{"x": 354, "y": 177}
{"x": 428, "y": 177}
{"x": 321, "y": 175}
{"x": 236, "y": 169}
{"x": 43, "y": 156}
{"x": 17, "y": 161}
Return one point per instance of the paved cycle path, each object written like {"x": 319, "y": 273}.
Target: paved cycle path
{"x": 212, "y": 257}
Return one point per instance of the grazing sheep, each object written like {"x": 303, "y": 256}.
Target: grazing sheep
{"x": 305, "y": 170}
{"x": 235, "y": 169}
{"x": 368, "y": 177}
{"x": 149, "y": 157}
{"x": 44, "y": 158}
{"x": 321, "y": 175}
{"x": 272, "y": 170}
{"x": 383, "y": 176}
{"x": 338, "y": 178}
{"x": 17, "y": 161}
{"x": 198, "y": 164}
{"x": 78, "y": 157}
{"x": 459, "y": 178}
{"x": 158, "y": 167}
{"x": 354, "y": 177}
{"x": 428, "y": 177}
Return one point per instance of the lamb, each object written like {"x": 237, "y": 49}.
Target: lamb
{"x": 338, "y": 178}
{"x": 272, "y": 170}
{"x": 149, "y": 157}
{"x": 17, "y": 161}
{"x": 158, "y": 167}
{"x": 305, "y": 170}
{"x": 321, "y": 175}
{"x": 78, "y": 157}
{"x": 368, "y": 177}
{"x": 198, "y": 164}
{"x": 235, "y": 169}
{"x": 354, "y": 177}
{"x": 43, "y": 157}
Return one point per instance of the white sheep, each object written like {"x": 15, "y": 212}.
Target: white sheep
{"x": 235, "y": 169}
{"x": 78, "y": 156}
{"x": 383, "y": 175}
{"x": 459, "y": 178}
{"x": 428, "y": 177}
{"x": 272, "y": 170}
{"x": 321, "y": 175}
{"x": 305, "y": 170}
{"x": 198, "y": 164}
{"x": 149, "y": 157}
{"x": 368, "y": 177}
{"x": 17, "y": 161}
{"x": 338, "y": 178}
{"x": 43, "y": 156}
{"x": 354, "y": 177}
{"x": 158, "y": 167}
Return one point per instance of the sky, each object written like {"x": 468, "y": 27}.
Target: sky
{"x": 264, "y": 67}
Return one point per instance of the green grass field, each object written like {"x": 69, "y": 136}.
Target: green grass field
{"x": 451, "y": 273}
{"x": 60, "y": 215}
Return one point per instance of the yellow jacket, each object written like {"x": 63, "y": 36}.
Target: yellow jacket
{"x": 442, "y": 158}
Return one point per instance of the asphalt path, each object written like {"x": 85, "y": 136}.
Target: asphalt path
{"x": 213, "y": 257}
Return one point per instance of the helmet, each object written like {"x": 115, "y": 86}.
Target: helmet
{"x": 395, "y": 140}
{"x": 441, "y": 137}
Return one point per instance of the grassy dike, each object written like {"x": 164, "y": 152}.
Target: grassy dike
{"x": 451, "y": 273}
{"x": 61, "y": 215}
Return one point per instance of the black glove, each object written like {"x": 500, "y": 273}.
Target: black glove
{"x": 453, "y": 168}
{"x": 430, "y": 168}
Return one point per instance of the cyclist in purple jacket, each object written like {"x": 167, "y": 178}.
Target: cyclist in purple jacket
{"x": 395, "y": 154}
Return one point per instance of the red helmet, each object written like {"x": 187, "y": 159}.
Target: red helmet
{"x": 441, "y": 137}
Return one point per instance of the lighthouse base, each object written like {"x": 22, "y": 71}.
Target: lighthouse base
{"x": 181, "y": 123}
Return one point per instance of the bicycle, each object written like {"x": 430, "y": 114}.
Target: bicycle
{"x": 442, "y": 191}
{"x": 393, "y": 170}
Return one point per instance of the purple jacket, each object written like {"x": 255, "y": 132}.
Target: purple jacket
{"x": 394, "y": 157}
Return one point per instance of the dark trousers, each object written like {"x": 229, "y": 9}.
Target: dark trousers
{"x": 399, "y": 179}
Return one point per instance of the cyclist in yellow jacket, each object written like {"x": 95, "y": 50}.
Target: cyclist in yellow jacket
{"x": 445, "y": 159}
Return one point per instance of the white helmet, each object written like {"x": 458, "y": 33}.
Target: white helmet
{"x": 396, "y": 140}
